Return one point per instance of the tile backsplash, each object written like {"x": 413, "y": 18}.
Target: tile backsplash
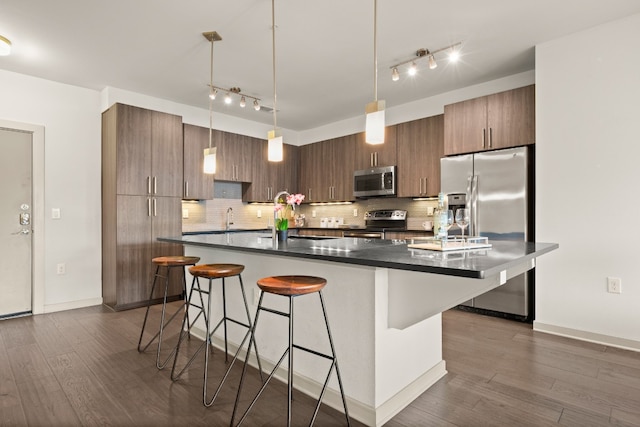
{"x": 211, "y": 214}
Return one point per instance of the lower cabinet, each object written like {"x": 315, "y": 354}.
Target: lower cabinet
{"x": 130, "y": 229}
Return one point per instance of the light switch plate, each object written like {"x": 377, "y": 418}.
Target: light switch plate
{"x": 55, "y": 213}
{"x": 185, "y": 213}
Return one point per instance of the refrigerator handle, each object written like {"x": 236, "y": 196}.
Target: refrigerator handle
{"x": 472, "y": 204}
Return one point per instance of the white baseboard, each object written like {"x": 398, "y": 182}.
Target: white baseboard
{"x": 52, "y": 308}
{"x": 366, "y": 414}
{"x": 577, "y": 334}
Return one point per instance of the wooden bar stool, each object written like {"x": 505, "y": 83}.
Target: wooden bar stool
{"x": 167, "y": 263}
{"x": 212, "y": 272}
{"x": 290, "y": 287}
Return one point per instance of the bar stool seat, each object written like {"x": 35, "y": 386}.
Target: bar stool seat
{"x": 212, "y": 272}
{"x": 291, "y": 287}
{"x": 168, "y": 263}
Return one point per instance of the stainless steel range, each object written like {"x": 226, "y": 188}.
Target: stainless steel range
{"x": 378, "y": 222}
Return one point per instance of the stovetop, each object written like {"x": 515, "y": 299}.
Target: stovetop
{"x": 385, "y": 220}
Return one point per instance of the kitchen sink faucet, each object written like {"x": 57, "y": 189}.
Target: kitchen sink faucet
{"x": 229, "y": 218}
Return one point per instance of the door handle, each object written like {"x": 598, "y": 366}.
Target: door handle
{"x": 23, "y": 231}
{"x": 155, "y": 185}
{"x": 484, "y": 137}
{"x": 186, "y": 188}
{"x": 155, "y": 207}
{"x": 148, "y": 185}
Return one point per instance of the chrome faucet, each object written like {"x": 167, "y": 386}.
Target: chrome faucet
{"x": 275, "y": 213}
{"x": 229, "y": 218}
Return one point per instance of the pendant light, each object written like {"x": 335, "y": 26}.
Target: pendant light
{"x": 274, "y": 149}
{"x": 210, "y": 153}
{"x": 374, "y": 128}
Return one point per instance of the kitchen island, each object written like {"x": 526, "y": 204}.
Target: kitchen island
{"x": 384, "y": 302}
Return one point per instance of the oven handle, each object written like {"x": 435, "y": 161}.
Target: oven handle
{"x": 365, "y": 235}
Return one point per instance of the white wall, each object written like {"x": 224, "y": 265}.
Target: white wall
{"x": 587, "y": 114}
{"x": 71, "y": 118}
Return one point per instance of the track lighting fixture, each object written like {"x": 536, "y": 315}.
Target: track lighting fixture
{"x": 230, "y": 93}
{"x": 412, "y": 70}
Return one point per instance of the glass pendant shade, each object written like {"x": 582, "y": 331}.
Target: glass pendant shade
{"x": 210, "y": 160}
{"x": 374, "y": 127}
{"x": 275, "y": 147}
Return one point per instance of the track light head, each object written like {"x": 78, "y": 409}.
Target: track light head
{"x": 256, "y": 105}
{"x": 395, "y": 75}
{"x": 212, "y": 93}
{"x": 413, "y": 69}
{"x": 432, "y": 62}
{"x": 243, "y": 102}
{"x": 227, "y": 99}
{"x": 454, "y": 55}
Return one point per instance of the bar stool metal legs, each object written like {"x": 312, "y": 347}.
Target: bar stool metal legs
{"x": 289, "y": 352}
{"x": 168, "y": 263}
{"x": 211, "y": 272}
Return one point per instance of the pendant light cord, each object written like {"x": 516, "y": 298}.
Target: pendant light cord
{"x": 273, "y": 40}
{"x": 211, "y": 100}
{"x": 375, "y": 50}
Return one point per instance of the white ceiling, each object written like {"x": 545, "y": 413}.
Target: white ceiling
{"x": 324, "y": 48}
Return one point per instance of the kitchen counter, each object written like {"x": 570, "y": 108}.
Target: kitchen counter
{"x": 384, "y": 303}
{"x": 378, "y": 252}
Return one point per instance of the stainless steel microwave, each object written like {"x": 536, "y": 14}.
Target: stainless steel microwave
{"x": 373, "y": 182}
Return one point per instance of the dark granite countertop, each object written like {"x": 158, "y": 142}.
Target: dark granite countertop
{"x": 377, "y": 252}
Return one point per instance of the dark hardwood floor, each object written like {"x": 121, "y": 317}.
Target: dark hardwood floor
{"x": 81, "y": 367}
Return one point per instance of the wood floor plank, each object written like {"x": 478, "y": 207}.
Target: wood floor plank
{"x": 46, "y": 403}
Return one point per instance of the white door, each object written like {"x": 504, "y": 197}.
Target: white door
{"x": 15, "y": 222}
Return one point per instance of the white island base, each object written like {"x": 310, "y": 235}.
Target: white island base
{"x": 386, "y": 325}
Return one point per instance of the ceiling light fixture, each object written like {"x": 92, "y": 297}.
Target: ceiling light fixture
{"x": 274, "y": 149}
{"x": 230, "y": 93}
{"x": 395, "y": 75}
{"x": 209, "y": 166}
{"x": 454, "y": 54}
{"x": 374, "y": 127}
{"x": 5, "y": 46}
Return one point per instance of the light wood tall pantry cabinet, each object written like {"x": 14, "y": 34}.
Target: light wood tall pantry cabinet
{"x": 142, "y": 184}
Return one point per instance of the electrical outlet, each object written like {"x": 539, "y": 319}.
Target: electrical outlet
{"x": 185, "y": 213}
{"x": 614, "y": 285}
{"x": 259, "y": 213}
{"x": 429, "y": 210}
{"x": 355, "y": 212}
{"x": 55, "y": 213}
{"x": 61, "y": 268}
{"x": 313, "y": 213}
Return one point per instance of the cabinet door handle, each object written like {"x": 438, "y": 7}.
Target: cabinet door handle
{"x": 155, "y": 207}
{"x": 375, "y": 158}
{"x": 484, "y": 132}
{"x": 186, "y": 188}
{"x": 425, "y": 186}
{"x": 490, "y": 137}
{"x": 371, "y": 159}
{"x": 309, "y": 192}
{"x": 155, "y": 185}
{"x": 148, "y": 185}
{"x": 148, "y": 207}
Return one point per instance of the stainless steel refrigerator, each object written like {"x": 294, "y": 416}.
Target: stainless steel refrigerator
{"x": 499, "y": 189}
